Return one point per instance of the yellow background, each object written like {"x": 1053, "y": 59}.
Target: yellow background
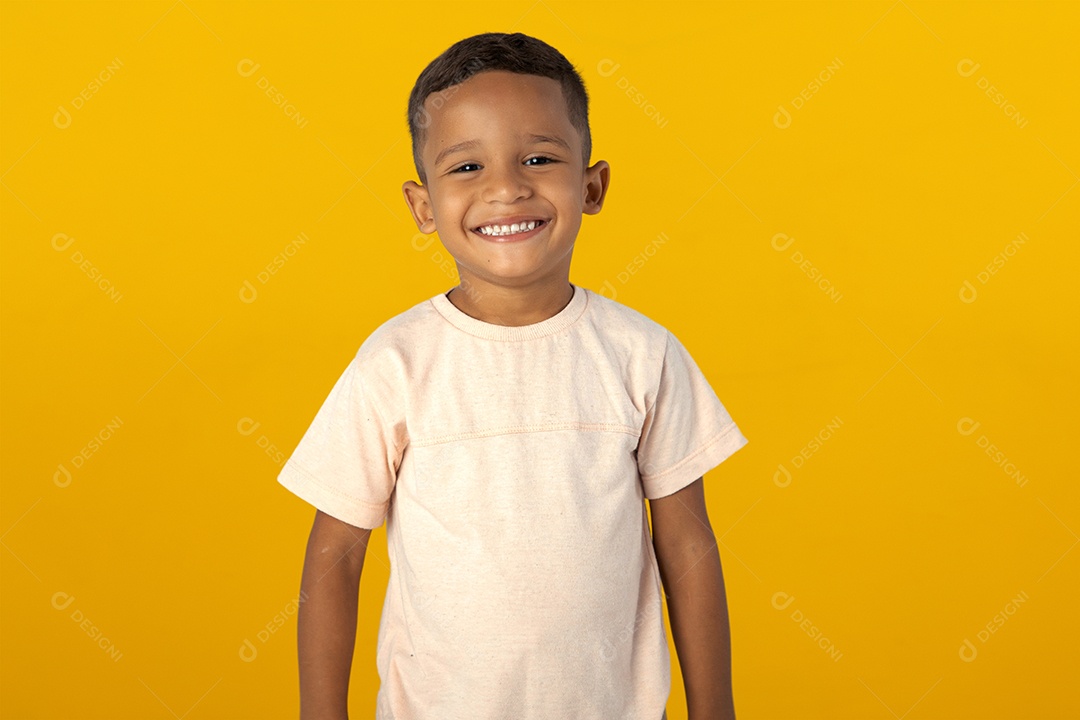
{"x": 894, "y": 176}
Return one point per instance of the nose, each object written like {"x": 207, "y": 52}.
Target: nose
{"x": 505, "y": 182}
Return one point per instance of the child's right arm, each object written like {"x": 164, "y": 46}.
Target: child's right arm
{"x": 326, "y": 623}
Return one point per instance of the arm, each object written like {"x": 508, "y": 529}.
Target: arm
{"x": 326, "y": 623}
{"x": 689, "y": 563}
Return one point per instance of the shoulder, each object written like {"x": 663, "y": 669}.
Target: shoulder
{"x": 400, "y": 331}
{"x": 627, "y": 327}
{"x": 387, "y": 349}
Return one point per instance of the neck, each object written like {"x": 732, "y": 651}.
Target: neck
{"x": 512, "y": 307}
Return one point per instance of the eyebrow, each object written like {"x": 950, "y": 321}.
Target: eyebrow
{"x": 469, "y": 144}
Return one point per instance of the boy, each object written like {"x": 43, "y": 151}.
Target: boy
{"x": 509, "y": 431}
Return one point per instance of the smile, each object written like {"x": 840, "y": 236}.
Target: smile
{"x": 510, "y": 230}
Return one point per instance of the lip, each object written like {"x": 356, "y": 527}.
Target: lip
{"x": 517, "y": 237}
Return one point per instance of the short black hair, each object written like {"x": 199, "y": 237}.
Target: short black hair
{"x": 513, "y": 52}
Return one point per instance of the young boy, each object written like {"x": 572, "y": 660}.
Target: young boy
{"x": 509, "y": 431}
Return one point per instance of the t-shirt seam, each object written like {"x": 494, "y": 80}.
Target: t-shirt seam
{"x": 715, "y": 439}
{"x": 524, "y": 429}
{"x": 660, "y": 378}
{"x": 314, "y": 479}
{"x": 374, "y": 406}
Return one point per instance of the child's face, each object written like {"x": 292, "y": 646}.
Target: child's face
{"x": 506, "y": 175}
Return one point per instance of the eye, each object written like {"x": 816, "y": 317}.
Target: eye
{"x": 547, "y": 161}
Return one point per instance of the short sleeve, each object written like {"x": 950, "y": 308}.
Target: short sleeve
{"x": 687, "y": 430}
{"x": 346, "y": 462}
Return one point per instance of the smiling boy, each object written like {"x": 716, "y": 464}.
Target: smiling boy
{"x": 509, "y": 432}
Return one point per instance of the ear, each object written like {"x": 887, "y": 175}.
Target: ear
{"x": 597, "y": 179}
{"x": 419, "y": 202}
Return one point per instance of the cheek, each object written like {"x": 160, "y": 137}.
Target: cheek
{"x": 570, "y": 200}
{"x": 564, "y": 192}
{"x": 450, "y": 207}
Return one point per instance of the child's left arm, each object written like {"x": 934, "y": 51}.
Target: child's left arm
{"x": 689, "y": 562}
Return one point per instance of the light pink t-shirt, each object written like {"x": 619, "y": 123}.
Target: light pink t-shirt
{"x": 511, "y": 466}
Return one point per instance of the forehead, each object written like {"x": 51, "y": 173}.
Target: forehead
{"x": 497, "y": 103}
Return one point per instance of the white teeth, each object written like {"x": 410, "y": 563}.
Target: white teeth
{"x": 497, "y": 230}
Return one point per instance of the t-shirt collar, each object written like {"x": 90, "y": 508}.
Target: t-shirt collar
{"x": 559, "y": 321}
